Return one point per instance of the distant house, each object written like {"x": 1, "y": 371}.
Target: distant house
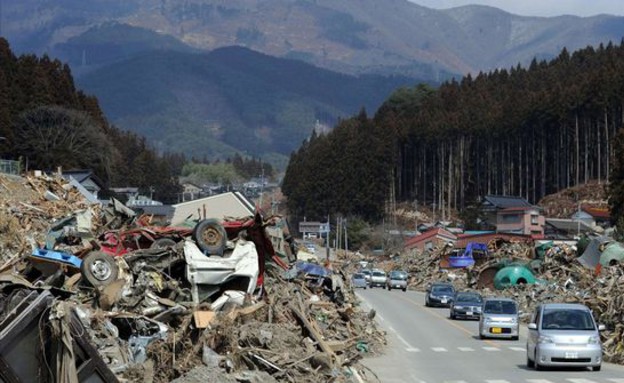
{"x": 87, "y": 179}
{"x": 428, "y": 240}
{"x": 593, "y": 216}
{"x": 191, "y": 191}
{"x": 126, "y": 193}
{"x": 140, "y": 200}
{"x": 220, "y": 206}
{"x": 564, "y": 229}
{"x": 521, "y": 220}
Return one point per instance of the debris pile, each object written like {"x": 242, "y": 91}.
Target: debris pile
{"x": 559, "y": 275}
{"x": 101, "y": 296}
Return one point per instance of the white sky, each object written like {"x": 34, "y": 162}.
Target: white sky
{"x": 544, "y": 8}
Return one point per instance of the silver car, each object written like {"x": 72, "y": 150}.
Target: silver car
{"x": 397, "y": 280}
{"x": 564, "y": 334}
{"x": 499, "y": 319}
{"x": 359, "y": 280}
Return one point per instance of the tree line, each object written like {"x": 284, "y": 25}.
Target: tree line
{"x": 524, "y": 131}
{"x": 47, "y": 123}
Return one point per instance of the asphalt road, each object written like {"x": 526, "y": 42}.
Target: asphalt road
{"x": 425, "y": 346}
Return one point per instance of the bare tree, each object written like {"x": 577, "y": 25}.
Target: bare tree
{"x": 52, "y": 136}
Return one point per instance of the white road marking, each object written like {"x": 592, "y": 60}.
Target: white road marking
{"x": 491, "y": 348}
{"x": 581, "y": 380}
{"x": 497, "y": 381}
{"x": 539, "y": 381}
{"x": 517, "y": 348}
{"x": 408, "y": 346}
{"x": 465, "y": 349}
{"x": 455, "y": 381}
{"x": 439, "y": 349}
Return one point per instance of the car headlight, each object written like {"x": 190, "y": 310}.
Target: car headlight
{"x": 544, "y": 339}
{"x": 514, "y": 320}
{"x": 593, "y": 340}
{"x": 488, "y": 320}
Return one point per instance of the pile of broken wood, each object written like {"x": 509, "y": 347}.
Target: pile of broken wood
{"x": 141, "y": 330}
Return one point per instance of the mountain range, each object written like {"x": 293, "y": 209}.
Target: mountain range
{"x": 157, "y": 66}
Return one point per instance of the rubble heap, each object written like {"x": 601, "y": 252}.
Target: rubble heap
{"x": 561, "y": 278}
{"x": 164, "y": 314}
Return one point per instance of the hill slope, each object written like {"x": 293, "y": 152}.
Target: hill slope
{"x": 229, "y": 100}
{"x": 393, "y": 36}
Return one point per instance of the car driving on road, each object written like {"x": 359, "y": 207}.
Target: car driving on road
{"x": 499, "y": 319}
{"x": 358, "y": 280}
{"x": 439, "y": 294}
{"x": 466, "y": 305}
{"x": 564, "y": 334}
{"x": 377, "y": 279}
{"x": 397, "y": 280}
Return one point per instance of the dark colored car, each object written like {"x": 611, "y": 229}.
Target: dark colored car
{"x": 439, "y": 294}
{"x": 466, "y": 305}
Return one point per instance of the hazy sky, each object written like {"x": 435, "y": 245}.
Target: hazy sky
{"x": 538, "y": 7}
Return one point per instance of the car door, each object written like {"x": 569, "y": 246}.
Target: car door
{"x": 533, "y": 334}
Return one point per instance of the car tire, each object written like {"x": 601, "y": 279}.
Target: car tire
{"x": 452, "y": 316}
{"x": 389, "y": 288}
{"x": 405, "y": 289}
{"x": 481, "y": 336}
{"x": 515, "y": 337}
{"x": 210, "y": 237}
{"x": 530, "y": 363}
{"x": 596, "y": 368}
{"x": 99, "y": 269}
{"x": 538, "y": 366}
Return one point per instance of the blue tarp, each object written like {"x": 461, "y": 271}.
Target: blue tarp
{"x": 312, "y": 268}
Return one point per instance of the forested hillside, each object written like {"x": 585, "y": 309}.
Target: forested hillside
{"x": 524, "y": 131}
{"x": 45, "y": 122}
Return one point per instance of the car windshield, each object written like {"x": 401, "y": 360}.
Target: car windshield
{"x": 378, "y": 273}
{"x": 366, "y": 272}
{"x": 567, "y": 319}
{"x": 442, "y": 289}
{"x": 358, "y": 276}
{"x": 468, "y": 298}
{"x": 500, "y": 307}
{"x": 397, "y": 275}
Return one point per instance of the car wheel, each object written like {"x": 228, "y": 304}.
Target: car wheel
{"x": 389, "y": 288}
{"x": 405, "y": 289}
{"x": 210, "y": 236}
{"x": 453, "y": 316}
{"x": 99, "y": 269}
{"x": 515, "y": 337}
{"x": 364, "y": 287}
{"x": 481, "y": 336}
{"x": 538, "y": 366}
{"x": 596, "y": 368}
{"x": 530, "y": 363}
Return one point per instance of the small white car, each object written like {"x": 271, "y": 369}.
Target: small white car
{"x": 564, "y": 334}
{"x": 499, "y": 319}
{"x": 377, "y": 279}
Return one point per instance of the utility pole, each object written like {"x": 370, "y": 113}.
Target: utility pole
{"x": 346, "y": 237}
{"x": 327, "y": 245}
